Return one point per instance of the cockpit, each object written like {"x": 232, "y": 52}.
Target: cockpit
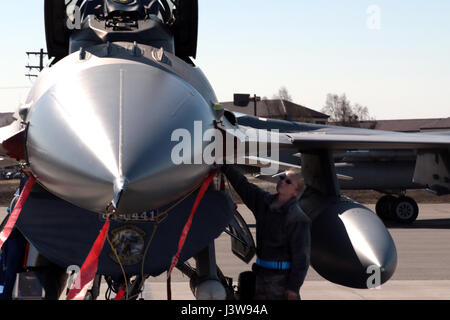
{"x": 168, "y": 24}
{"x": 122, "y": 10}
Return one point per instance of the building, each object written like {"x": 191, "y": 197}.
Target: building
{"x": 408, "y": 125}
{"x": 6, "y": 118}
{"x": 281, "y": 110}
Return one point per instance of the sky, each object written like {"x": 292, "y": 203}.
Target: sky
{"x": 392, "y": 56}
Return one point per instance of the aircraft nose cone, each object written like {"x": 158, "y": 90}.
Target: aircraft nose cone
{"x": 105, "y": 135}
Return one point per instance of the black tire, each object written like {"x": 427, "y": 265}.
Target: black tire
{"x": 384, "y": 207}
{"x": 405, "y": 210}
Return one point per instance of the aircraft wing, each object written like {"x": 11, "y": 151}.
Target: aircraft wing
{"x": 307, "y": 136}
{"x": 432, "y": 167}
{"x": 349, "y": 138}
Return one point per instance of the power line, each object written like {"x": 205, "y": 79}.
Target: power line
{"x": 40, "y": 67}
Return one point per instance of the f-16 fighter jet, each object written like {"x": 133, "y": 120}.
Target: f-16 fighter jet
{"x": 119, "y": 135}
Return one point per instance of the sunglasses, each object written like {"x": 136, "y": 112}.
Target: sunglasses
{"x": 285, "y": 178}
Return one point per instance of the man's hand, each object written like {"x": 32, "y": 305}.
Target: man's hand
{"x": 291, "y": 295}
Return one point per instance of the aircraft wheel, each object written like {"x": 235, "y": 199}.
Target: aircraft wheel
{"x": 384, "y": 205}
{"x": 405, "y": 210}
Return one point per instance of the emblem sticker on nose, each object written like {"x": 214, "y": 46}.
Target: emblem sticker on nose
{"x": 128, "y": 241}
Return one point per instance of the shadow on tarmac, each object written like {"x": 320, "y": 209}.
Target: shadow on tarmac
{"x": 420, "y": 224}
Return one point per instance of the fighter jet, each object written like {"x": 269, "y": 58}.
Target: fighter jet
{"x": 105, "y": 132}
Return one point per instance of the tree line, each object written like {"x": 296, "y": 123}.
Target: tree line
{"x": 341, "y": 110}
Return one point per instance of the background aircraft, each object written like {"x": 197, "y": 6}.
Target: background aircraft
{"x": 96, "y": 133}
{"x": 387, "y": 171}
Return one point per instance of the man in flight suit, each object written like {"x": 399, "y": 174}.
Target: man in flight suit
{"x": 283, "y": 240}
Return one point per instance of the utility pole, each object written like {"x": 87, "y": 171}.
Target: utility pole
{"x": 255, "y": 100}
{"x": 40, "y": 67}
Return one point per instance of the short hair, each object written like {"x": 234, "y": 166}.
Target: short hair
{"x": 298, "y": 177}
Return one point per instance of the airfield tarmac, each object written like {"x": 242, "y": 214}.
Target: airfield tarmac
{"x": 423, "y": 270}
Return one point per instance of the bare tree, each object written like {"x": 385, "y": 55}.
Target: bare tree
{"x": 362, "y": 112}
{"x": 341, "y": 111}
{"x": 332, "y": 106}
{"x": 283, "y": 94}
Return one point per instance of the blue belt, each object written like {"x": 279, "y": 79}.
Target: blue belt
{"x": 276, "y": 265}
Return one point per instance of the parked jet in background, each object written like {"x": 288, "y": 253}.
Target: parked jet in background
{"x": 387, "y": 171}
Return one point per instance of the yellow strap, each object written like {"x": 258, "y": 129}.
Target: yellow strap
{"x": 218, "y": 107}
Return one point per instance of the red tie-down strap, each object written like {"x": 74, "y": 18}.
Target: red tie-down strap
{"x": 6, "y": 232}
{"x": 186, "y": 229}
{"x": 89, "y": 268}
{"x": 121, "y": 293}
